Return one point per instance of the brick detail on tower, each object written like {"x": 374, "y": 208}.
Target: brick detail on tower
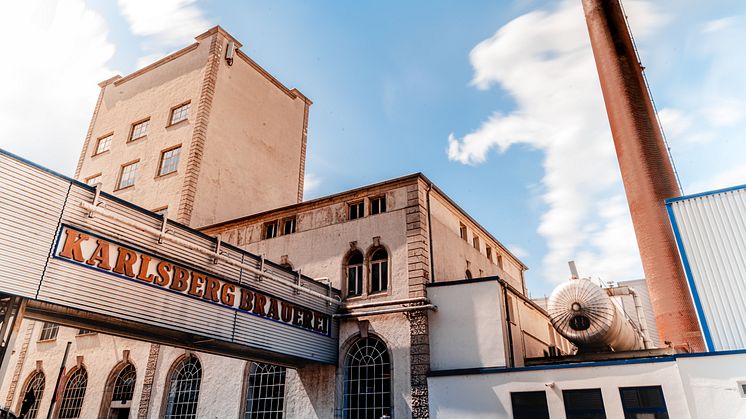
{"x": 199, "y": 134}
{"x": 646, "y": 168}
{"x": 418, "y": 261}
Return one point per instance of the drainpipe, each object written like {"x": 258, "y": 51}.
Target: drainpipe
{"x": 430, "y": 234}
{"x": 625, "y": 290}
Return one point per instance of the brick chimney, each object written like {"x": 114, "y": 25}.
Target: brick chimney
{"x": 647, "y": 172}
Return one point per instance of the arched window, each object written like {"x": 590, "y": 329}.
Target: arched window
{"x": 355, "y": 274}
{"x": 32, "y": 394}
{"x": 265, "y": 396}
{"x": 367, "y": 380}
{"x": 379, "y": 270}
{"x": 122, "y": 389}
{"x": 72, "y": 396}
{"x": 183, "y": 389}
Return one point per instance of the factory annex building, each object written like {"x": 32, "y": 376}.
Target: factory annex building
{"x": 209, "y": 139}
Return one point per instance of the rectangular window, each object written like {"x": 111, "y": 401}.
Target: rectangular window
{"x": 270, "y": 230}
{"x": 103, "y": 144}
{"x": 179, "y": 113}
{"x": 355, "y": 280}
{"x": 49, "y": 331}
{"x": 529, "y": 405}
{"x": 500, "y": 261}
{"x": 93, "y": 180}
{"x": 462, "y": 230}
{"x": 584, "y": 404}
{"x": 86, "y": 332}
{"x": 127, "y": 175}
{"x": 356, "y": 210}
{"x": 643, "y": 402}
{"x": 475, "y": 242}
{"x": 377, "y": 205}
{"x": 489, "y": 253}
{"x": 169, "y": 161}
{"x": 139, "y": 129}
{"x": 288, "y": 226}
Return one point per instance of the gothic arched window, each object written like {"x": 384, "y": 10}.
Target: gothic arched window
{"x": 72, "y": 396}
{"x": 120, "y": 389}
{"x": 183, "y": 389}
{"x": 355, "y": 274}
{"x": 265, "y": 395}
{"x": 379, "y": 271}
{"x": 32, "y": 394}
{"x": 367, "y": 380}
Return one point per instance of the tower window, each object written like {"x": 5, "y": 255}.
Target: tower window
{"x": 169, "y": 161}
{"x": 103, "y": 144}
{"x": 270, "y": 230}
{"x": 356, "y": 210}
{"x": 139, "y": 129}
{"x": 179, "y": 113}
{"x": 127, "y": 175}
{"x": 288, "y": 226}
{"x": 378, "y": 205}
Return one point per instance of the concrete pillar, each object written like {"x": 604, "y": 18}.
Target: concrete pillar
{"x": 646, "y": 170}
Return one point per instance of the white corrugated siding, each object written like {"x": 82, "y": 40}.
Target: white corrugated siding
{"x": 712, "y": 231}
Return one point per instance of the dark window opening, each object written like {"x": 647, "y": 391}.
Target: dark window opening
{"x": 121, "y": 396}
{"x": 265, "y": 398}
{"x": 379, "y": 271}
{"x": 378, "y": 205}
{"x": 529, "y": 405}
{"x": 183, "y": 390}
{"x": 356, "y": 210}
{"x": 468, "y": 274}
{"x": 489, "y": 253}
{"x": 32, "y": 395}
{"x": 475, "y": 242}
{"x": 643, "y": 402}
{"x": 367, "y": 380}
{"x": 355, "y": 274}
{"x": 288, "y": 226}
{"x": 270, "y": 230}
{"x": 462, "y": 231}
{"x": 584, "y": 404}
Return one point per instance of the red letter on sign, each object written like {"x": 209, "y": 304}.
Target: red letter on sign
{"x": 179, "y": 282}
{"x": 163, "y": 274}
{"x": 125, "y": 262}
{"x": 71, "y": 249}
{"x": 226, "y": 294}
{"x": 100, "y": 255}
{"x": 144, "y": 267}
{"x": 246, "y": 297}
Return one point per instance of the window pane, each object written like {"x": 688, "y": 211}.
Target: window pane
{"x": 183, "y": 391}
{"x": 179, "y": 114}
{"x": 265, "y": 398}
{"x": 643, "y": 403}
{"x": 529, "y": 405}
{"x": 94, "y": 180}
{"x": 32, "y": 394}
{"x": 584, "y": 404}
{"x": 104, "y": 144}
{"x": 170, "y": 161}
{"x": 49, "y": 331}
{"x": 124, "y": 385}
{"x": 140, "y": 130}
{"x": 72, "y": 396}
{"x": 367, "y": 380}
{"x": 127, "y": 177}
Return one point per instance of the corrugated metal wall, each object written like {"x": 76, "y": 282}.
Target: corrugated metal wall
{"x": 710, "y": 230}
{"x": 35, "y": 203}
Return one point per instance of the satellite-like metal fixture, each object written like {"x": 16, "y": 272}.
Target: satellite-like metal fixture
{"x": 230, "y": 51}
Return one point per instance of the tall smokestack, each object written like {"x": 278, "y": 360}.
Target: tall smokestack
{"x": 647, "y": 172}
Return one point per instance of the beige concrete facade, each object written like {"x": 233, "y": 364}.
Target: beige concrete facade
{"x": 244, "y": 131}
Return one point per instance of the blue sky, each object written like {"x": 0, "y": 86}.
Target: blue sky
{"x": 497, "y": 102}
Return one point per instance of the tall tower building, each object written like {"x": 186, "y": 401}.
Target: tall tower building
{"x": 205, "y": 134}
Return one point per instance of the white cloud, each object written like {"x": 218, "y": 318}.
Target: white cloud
{"x": 544, "y": 60}
{"x": 732, "y": 176}
{"x": 165, "y": 24}
{"x": 518, "y": 251}
{"x": 718, "y": 24}
{"x": 311, "y": 183}
{"x": 55, "y": 53}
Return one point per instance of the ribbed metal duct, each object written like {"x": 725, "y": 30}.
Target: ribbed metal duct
{"x": 585, "y": 314}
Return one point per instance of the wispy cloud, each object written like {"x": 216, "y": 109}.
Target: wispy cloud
{"x": 519, "y": 251}
{"x": 544, "y": 60}
{"x": 49, "y": 78}
{"x": 164, "y": 24}
{"x": 311, "y": 184}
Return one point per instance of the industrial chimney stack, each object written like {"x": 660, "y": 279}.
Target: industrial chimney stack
{"x": 647, "y": 172}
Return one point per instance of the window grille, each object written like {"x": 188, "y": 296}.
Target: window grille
{"x": 356, "y": 210}
{"x": 529, "y": 405}
{"x": 72, "y": 397}
{"x": 179, "y": 113}
{"x": 355, "y": 274}
{"x": 124, "y": 385}
{"x": 169, "y": 161}
{"x": 103, "y": 144}
{"x": 35, "y": 386}
{"x": 49, "y": 331}
{"x": 265, "y": 398}
{"x": 379, "y": 271}
{"x": 127, "y": 177}
{"x": 367, "y": 380}
{"x": 378, "y": 205}
{"x": 643, "y": 402}
{"x": 139, "y": 130}
{"x": 183, "y": 391}
{"x": 584, "y": 404}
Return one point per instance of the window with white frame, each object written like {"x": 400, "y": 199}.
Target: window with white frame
{"x": 73, "y": 395}
{"x": 103, "y": 144}
{"x": 127, "y": 175}
{"x": 288, "y": 226}
{"x": 378, "y": 205}
{"x": 179, "y": 113}
{"x": 49, "y": 331}
{"x": 33, "y": 393}
{"x": 169, "y": 161}
{"x": 356, "y": 210}
{"x": 379, "y": 271}
{"x": 367, "y": 380}
{"x": 265, "y": 395}
{"x": 183, "y": 389}
{"x": 85, "y": 332}
{"x": 270, "y": 230}
{"x": 140, "y": 130}
{"x": 355, "y": 274}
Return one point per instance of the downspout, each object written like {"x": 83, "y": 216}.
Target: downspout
{"x": 641, "y": 320}
{"x": 430, "y": 234}
{"x": 511, "y": 355}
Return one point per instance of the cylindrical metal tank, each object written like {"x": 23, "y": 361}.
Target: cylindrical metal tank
{"x": 585, "y": 314}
